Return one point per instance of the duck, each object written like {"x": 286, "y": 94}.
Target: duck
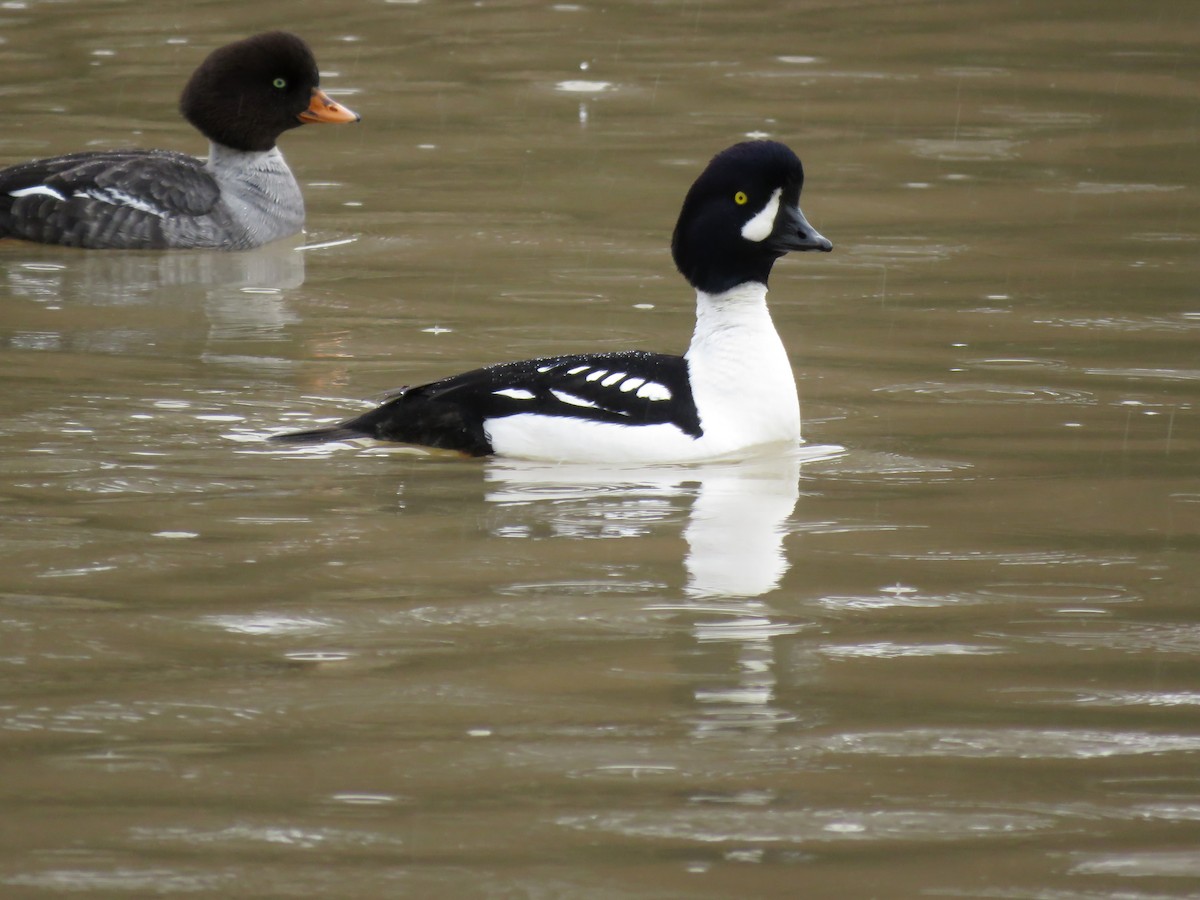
{"x": 731, "y": 394}
{"x": 242, "y": 97}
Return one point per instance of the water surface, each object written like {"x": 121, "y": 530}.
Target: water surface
{"x": 950, "y": 650}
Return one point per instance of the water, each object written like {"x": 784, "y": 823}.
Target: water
{"x": 951, "y": 651}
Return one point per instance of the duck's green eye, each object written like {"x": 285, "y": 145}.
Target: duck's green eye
{"x": 740, "y": 198}
{"x": 280, "y": 83}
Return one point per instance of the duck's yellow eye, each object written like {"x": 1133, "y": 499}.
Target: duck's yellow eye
{"x": 740, "y": 198}
{"x": 280, "y": 83}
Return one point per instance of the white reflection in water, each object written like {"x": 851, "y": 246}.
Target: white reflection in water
{"x": 735, "y": 531}
{"x": 735, "y": 524}
{"x": 734, "y": 534}
{"x": 579, "y": 86}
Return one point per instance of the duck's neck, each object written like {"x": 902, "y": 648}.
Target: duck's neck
{"x": 260, "y": 190}
{"x": 737, "y": 316}
{"x": 738, "y": 365}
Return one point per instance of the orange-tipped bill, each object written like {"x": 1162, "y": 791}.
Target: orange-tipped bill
{"x": 324, "y": 109}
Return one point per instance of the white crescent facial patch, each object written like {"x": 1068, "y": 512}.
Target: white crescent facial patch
{"x": 760, "y": 227}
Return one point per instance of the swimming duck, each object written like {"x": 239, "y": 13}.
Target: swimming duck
{"x": 242, "y": 98}
{"x": 732, "y": 393}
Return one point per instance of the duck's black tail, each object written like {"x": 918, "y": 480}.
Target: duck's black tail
{"x": 410, "y": 417}
{"x": 320, "y": 435}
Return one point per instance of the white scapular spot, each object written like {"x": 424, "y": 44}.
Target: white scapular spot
{"x": 652, "y": 390}
{"x": 599, "y": 373}
{"x": 578, "y": 370}
{"x": 630, "y": 384}
{"x": 515, "y": 393}
{"x": 612, "y": 379}
{"x": 544, "y": 369}
{"x": 573, "y": 400}
{"x": 38, "y": 190}
{"x": 760, "y": 227}
{"x": 121, "y": 198}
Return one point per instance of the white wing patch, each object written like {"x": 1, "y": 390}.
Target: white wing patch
{"x": 622, "y": 381}
{"x": 38, "y": 190}
{"x": 115, "y": 197}
{"x": 760, "y": 227}
{"x": 652, "y": 390}
{"x": 573, "y": 400}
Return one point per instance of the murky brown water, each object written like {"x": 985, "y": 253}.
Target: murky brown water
{"x": 961, "y": 657}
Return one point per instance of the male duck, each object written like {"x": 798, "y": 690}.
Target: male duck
{"x": 731, "y": 394}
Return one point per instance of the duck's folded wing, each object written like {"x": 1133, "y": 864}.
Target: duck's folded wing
{"x": 632, "y": 389}
{"x": 110, "y": 199}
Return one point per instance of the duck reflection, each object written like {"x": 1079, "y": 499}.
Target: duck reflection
{"x": 239, "y": 296}
{"x": 128, "y": 279}
{"x": 733, "y": 515}
{"x": 733, "y": 519}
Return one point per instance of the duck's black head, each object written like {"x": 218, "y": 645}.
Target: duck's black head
{"x": 246, "y": 94}
{"x": 741, "y": 215}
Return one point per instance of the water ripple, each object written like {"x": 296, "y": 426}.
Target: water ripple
{"x": 1156, "y": 374}
{"x": 1169, "y": 699}
{"x": 965, "y": 150}
{"x": 1170, "y": 864}
{"x": 880, "y": 254}
{"x": 1011, "y": 743}
{"x": 1044, "y": 118}
{"x": 1176, "y": 323}
{"x": 1060, "y": 592}
{"x": 1156, "y": 639}
{"x": 121, "y": 882}
{"x": 1094, "y": 187}
{"x": 982, "y": 392}
{"x": 102, "y": 717}
{"x": 709, "y": 825}
{"x": 271, "y": 623}
{"x": 893, "y": 650}
{"x": 239, "y": 836}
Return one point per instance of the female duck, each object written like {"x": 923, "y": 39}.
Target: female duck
{"x": 242, "y": 98}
